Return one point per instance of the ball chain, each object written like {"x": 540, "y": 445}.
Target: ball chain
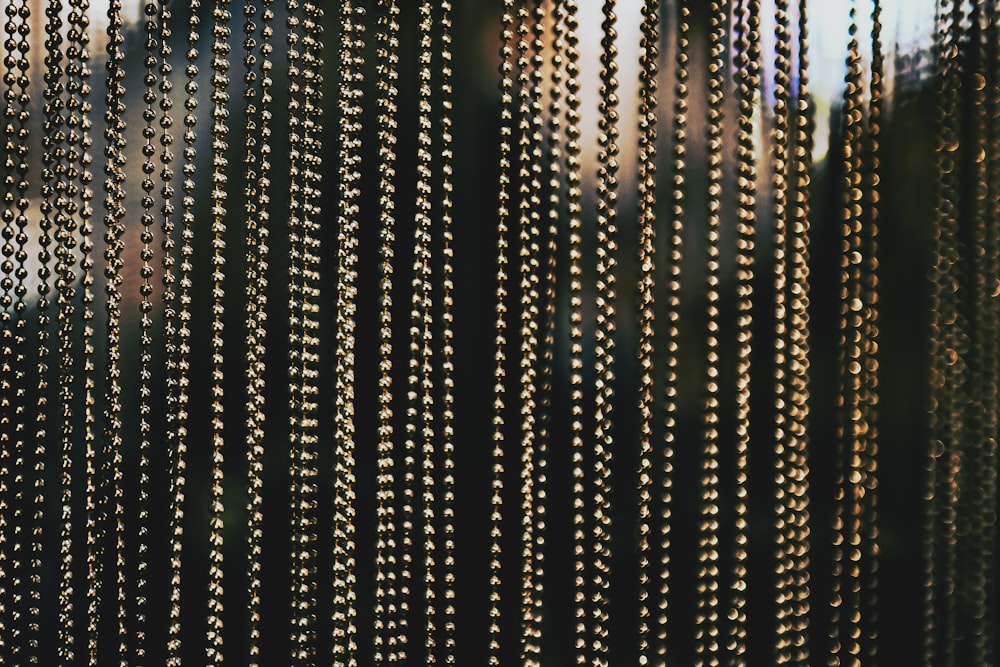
{"x": 648, "y": 57}
{"x": 707, "y": 644}
{"x": 219, "y": 131}
{"x": 352, "y": 21}
{"x": 385, "y": 625}
{"x": 748, "y": 58}
{"x": 500, "y": 328}
{"x": 675, "y": 247}
{"x": 447, "y": 334}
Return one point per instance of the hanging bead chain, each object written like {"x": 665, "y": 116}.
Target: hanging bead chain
{"x": 845, "y": 630}
{"x": 54, "y": 209}
{"x": 649, "y": 54}
{"x": 79, "y": 106}
{"x": 178, "y": 469}
{"x": 958, "y": 342}
{"x": 674, "y": 258}
{"x": 146, "y": 256}
{"x": 991, "y": 325}
{"x": 32, "y": 461}
{"x": 977, "y": 474}
{"x": 386, "y": 638}
{"x": 447, "y": 335}
{"x": 16, "y": 133}
{"x": 345, "y": 613}
{"x": 749, "y": 63}
{"x": 607, "y": 231}
{"x": 301, "y": 367}
{"x": 798, "y": 351}
{"x": 7, "y": 300}
{"x": 11, "y": 463}
{"x": 253, "y": 392}
{"x": 575, "y": 225}
{"x": 707, "y": 615}
{"x": 979, "y": 549}
{"x": 258, "y": 166}
{"x": 421, "y": 382}
{"x": 67, "y": 209}
{"x": 786, "y": 487}
{"x": 870, "y": 333}
{"x": 500, "y": 328}
{"x": 168, "y": 245}
{"x": 974, "y": 472}
{"x": 528, "y": 93}
{"x": 938, "y": 518}
{"x": 41, "y": 436}
{"x": 114, "y": 186}
{"x": 961, "y": 459}
{"x": 220, "y": 98}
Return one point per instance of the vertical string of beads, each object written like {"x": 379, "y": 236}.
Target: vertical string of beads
{"x": 151, "y": 11}
{"x": 707, "y": 645}
{"x": 55, "y": 233}
{"x": 80, "y": 36}
{"x": 936, "y": 547}
{"x": 344, "y": 484}
{"x": 80, "y": 103}
{"x": 845, "y": 629}
{"x": 799, "y": 362}
{"x": 550, "y": 249}
{"x": 421, "y": 273}
{"x": 66, "y": 212}
{"x": 648, "y": 56}
{"x": 973, "y": 585}
{"x": 447, "y": 335}
{"x": 870, "y": 344}
{"x": 991, "y": 324}
{"x": 421, "y": 348}
{"x": 528, "y": 113}
{"x": 297, "y": 400}
{"x": 35, "y": 459}
{"x": 258, "y": 188}
{"x": 574, "y": 227}
{"x": 114, "y": 205}
{"x": 974, "y": 581}
{"x": 784, "y": 409}
{"x": 500, "y": 329}
{"x": 220, "y": 129}
{"x": 605, "y": 330}
{"x": 178, "y": 479}
{"x": 345, "y": 613}
{"x": 675, "y": 247}
{"x": 387, "y": 639}
{"x": 748, "y": 59}
{"x": 24, "y": 582}
{"x": 11, "y": 460}
{"x": 7, "y": 454}
{"x": 303, "y": 294}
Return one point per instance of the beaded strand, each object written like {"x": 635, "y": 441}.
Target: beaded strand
{"x": 648, "y": 57}
{"x": 675, "y": 247}
{"x": 500, "y": 335}
{"x": 748, "y": 58}
{"x": 707, "y": 618}
{"x": 387, "y": 638}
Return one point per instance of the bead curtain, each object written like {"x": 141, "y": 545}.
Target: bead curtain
{"x": 540, "y": 332}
